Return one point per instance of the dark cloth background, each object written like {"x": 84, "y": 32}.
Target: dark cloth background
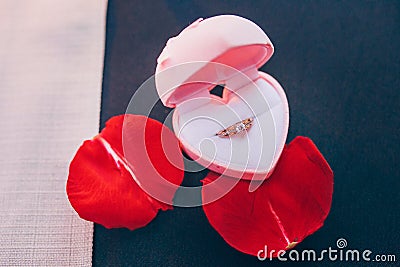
{"x": 338, "y": 62}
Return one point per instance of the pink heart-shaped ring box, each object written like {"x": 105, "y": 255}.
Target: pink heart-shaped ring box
{"x": 224, "y": 50}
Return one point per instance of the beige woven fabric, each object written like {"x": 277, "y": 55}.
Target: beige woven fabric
{"x": 51, "y": 58}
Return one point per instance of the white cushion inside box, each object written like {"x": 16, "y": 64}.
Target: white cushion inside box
{"x": 251, "y": 150}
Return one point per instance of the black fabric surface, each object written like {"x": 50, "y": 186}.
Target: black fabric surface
{"x": 338, "y": 62}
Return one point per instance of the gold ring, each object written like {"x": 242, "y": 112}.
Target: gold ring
{"x": 236, "y": 128}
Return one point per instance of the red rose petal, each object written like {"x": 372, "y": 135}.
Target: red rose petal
{"x": 292, "y": 204}
{"x": 156, "y": 156}
{"x": 102, "y": 184}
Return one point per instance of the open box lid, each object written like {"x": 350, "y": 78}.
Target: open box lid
{"x": 188, "y": 65}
